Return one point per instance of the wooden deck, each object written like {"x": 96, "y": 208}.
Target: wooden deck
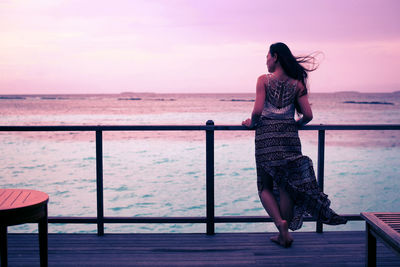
{"x": 222, "y": 249}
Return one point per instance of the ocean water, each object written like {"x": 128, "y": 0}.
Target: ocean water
{"x": 163, "y": 173}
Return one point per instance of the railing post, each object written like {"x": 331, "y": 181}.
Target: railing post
{"x": 99, "y": 183}
{"x": 321, "y": 161}
{"x": 210, "y": 179}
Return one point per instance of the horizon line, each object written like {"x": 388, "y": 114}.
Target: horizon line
{"x": 185, "y": 93}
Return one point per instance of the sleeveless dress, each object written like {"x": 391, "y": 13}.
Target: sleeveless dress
{"x": 279, "y": 158}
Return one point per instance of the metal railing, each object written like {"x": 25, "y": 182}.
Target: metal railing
{"x": 210, "y": 219}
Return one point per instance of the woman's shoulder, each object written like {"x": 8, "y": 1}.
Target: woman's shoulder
{"x": 301, "y": 90}
{"x": 264, "y": 78}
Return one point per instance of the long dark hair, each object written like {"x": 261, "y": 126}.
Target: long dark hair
{"x": 295, "y": 67}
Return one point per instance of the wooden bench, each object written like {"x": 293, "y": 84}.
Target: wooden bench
{"x": 18, "y": 206}
{"x": 384, "y": 226}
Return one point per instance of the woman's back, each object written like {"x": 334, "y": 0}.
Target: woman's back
{"x": 280, "y": 97}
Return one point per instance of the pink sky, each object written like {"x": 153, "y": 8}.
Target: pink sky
{"x": 54, "y": 46}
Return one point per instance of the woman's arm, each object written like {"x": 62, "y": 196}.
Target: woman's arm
{"x": 305, "y": 108}
{"x": 258, "y": 104}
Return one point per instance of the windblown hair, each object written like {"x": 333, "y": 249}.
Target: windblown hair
{"x": 295, "y": 67}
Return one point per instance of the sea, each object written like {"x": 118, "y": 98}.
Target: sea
{"x": 162, "y": 174}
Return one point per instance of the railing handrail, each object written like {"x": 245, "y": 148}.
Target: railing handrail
{"x": 209, "y": 129}
{"x": 12, "y": 128}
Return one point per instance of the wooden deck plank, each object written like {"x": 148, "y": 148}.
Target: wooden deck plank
{"x": 223, "y": 249}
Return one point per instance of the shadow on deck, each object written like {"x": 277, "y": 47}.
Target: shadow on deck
{"x": 222, "y": 249}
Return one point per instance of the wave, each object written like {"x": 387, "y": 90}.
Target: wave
{"x": 13, "y": 97}
{"x": 346, "y": 92}
{"x": 165, "y": 99}
{"x": 368, "y": 102}
{"x": 131, "y": 98}
{"x": 238, "y": 100}
{"x": 53, "y": 98}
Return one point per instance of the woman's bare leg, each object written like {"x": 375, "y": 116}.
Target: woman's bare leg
{"x": 271, "y": 206}
{"x": 285, "y": 205}
{"x": 286, "y": 209}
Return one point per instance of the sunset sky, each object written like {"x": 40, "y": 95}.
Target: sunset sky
{"x": 191, "y": 46}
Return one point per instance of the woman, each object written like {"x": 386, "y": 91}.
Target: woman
{"x": 285, "y": 178}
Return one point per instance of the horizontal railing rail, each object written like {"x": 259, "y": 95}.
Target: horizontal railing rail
{"x": 210, "y": 219}
{"x": 90, "y": 128}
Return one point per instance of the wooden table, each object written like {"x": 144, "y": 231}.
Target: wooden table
{"x": 18, "y": 206}
{"x": 386, "y": 227}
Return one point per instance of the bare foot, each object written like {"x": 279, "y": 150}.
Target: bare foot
{"x": 284, "y": 238}
{"x": 275, "y": 239}
{"x": 279, "y": 240}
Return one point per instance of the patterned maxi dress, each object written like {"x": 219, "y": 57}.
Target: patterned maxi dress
{"x": 279, "y": 158}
